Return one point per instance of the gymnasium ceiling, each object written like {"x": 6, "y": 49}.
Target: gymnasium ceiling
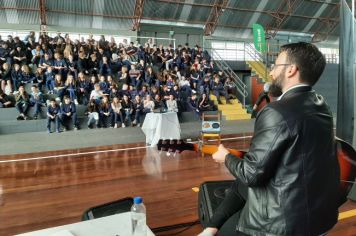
{"x": 230, "y": 18}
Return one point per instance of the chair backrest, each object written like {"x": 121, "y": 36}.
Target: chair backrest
{"x": 211, "y": 123}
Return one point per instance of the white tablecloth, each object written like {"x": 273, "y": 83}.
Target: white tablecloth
{"x": 119, "y": 224}
{"x": 161, "y": 126}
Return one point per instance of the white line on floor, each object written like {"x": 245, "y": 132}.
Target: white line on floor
{"x": 95, "y": 152}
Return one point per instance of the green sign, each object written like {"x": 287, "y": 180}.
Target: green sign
{"x": 259, "y": 39}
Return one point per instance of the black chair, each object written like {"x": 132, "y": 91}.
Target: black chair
{"x": 107, "y": 209}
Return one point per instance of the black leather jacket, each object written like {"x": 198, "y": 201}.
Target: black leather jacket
{"x": 291, "y": 168}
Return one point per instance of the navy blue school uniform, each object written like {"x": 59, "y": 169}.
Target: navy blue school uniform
{"x": 105, "y": 69}
{"x": 16, "y": 77}
{"x": 218, "y": 89}
{"x": 102, "y": 118}
{"x": 44, "y": 62}
{"x": 104, "y": 87}
{"x": 133, "y": 93}
{"x": 53, "y": 111}
{"x": 66, "y": 108}
{"x": 83, "y": 96}
{"x": 124, "y": 92}
{"x": 71, "y": 88}
{"x": 143, "y": 94}
{"x": 49, "y": 81}
{"x": 27, "y": 78}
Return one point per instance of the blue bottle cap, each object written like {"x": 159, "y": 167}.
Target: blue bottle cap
{"x": 138, "y": 200}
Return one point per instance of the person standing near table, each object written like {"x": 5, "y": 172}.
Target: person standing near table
{"x": 288, "y": 182}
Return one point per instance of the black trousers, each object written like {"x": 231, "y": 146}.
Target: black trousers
{"x": 227, "y": 215}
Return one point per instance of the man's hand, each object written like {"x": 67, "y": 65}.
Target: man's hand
{"x": 209, "y": 232}
{"x": 220, "y": 155}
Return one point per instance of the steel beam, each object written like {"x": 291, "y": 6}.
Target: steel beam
{"x": 137, "y": 14}
{"x": 268, "y": 12}
{"x": 43, "y": 17}
{"x": 321, "y": 34}
{"x": 216, "y": 11}
{"x": 276, "y": 24}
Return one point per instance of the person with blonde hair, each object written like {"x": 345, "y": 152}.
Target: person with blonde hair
{"x": 70, "y": 86}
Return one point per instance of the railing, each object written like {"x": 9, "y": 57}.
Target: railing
{"x": 253, "y": 53}
{"x": 222, "y": 65}
{"x": 257, "y": 56}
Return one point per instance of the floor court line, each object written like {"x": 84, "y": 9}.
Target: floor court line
{"x": 95, "y": 152}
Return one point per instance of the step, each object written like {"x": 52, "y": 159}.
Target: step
{"x": 234, "y": 112}
{"x": 259, "y": 68}
{"x": 25, "y": 126}
{"x": 229, "y": 106}
{"x": 238, "y": 117}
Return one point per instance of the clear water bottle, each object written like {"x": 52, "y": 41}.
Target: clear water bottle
{"x": 138, "y": 217}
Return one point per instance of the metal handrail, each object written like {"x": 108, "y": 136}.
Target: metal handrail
{"x": 256, "y": 55}
{"x": 222, "y": 65}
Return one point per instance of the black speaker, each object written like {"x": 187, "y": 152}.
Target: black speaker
{"x": 108, "y": 209}
{"x": 211, "y": 194}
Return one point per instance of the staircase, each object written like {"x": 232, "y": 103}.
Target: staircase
{"x": 260, "y": 69}
{"x": 258, "y": 64}
{"x": 236, "y": 110}
{"x": 233, "y": 111}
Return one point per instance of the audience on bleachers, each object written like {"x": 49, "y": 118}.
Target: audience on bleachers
{"x": 119, "y": 82}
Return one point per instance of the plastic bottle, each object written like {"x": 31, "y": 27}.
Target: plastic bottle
{"x": 138, "y": 217}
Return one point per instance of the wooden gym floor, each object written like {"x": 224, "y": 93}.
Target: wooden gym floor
{"x": 41, "y": 190}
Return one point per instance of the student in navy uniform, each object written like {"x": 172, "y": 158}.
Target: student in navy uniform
{"x": 137, "y": 110}
{"x": 22, "y": 103}
{"x": 82, "y": 89}
{"x": 127, "y": 110}
{"x": 70, "y": 87}
{"x": 26, "y": 75}
{"x": 68, "y": 111}
{"x": 104, "y": 67}
{"x": 50, "y": 80}
{"x": 36, "y": 100}
{"x": 16, "y": 77}
{"x": 53, "y": 113}
{"x": 105, "y": 112}
{"x": 218, "y": 89}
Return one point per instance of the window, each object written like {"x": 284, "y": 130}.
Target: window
{"x": 231, "y": 51}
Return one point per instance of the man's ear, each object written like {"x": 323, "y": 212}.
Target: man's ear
{"x": 292, "y": 70}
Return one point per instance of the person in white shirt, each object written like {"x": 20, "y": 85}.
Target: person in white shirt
{"x": 172, "y": 104}
{"x": 148, "y": 104}
{"x": 96, "y": 94}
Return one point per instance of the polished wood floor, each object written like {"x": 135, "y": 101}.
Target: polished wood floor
{"x": 41, "y": 190}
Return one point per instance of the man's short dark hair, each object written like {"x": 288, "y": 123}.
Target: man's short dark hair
{"x": 309, "y": 60}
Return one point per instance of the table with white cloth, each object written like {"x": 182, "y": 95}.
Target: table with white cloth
{"x": 119, "y": 224}
{"x": 161, "y": 126}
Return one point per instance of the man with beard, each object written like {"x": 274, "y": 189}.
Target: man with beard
{"x": 288, "y": 181}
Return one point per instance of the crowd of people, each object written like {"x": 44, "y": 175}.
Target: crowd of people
{"x": 118, "y": 82}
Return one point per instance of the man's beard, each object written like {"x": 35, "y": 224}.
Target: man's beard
{"x": 275, "y": 89}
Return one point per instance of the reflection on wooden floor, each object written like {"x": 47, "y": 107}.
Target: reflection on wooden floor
{"x": 54, "y": 188}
